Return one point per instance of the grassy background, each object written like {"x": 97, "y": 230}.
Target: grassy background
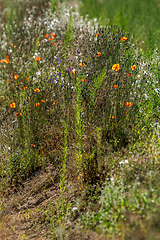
{"x": 139, "y": 18}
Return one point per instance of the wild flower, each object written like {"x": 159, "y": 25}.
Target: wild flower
{"x": 54, "y": 102}
{"x": 37, "y": 90}
{"x": 82, "y": 64}
{"x": 129, "y": 74}
{"x": 99, "y": 54}
{"x": 2, "y": 61}
{"x": 13, "y": 105}
{"x": 38, "y": 59}
{"x": 7, "y": 60}
{"x": 83, "y": 80}
{"x": 7, "y": 56}
{"x": 72, "y": 72}
{"x": 128, "y": 104}
{"x": 47, "y": 35}
{"x": 29, "y": 98}
{"x": 116, "y": 67}
{"x": 53, "y": 35}
{"x": 38, "y": 42}
{"x": 123, "y": 39}
{"x": 111, "y": 117}
{"x": 16, "y": 76}
{"x": 49, "y": 39}
{"x": 37, "y": 104}
{"x": 115, "y": 86}
{"x": 25, "y": 87}
{"x": 133, "y": 67}
{"x": 125, "y": 161}
{"x": 20, "y": 114}
{"x": 54, "y": 44}
{"x": 97, "y": 34}
{"x": 43, "y": 101}
{"x": 11, "y": 45}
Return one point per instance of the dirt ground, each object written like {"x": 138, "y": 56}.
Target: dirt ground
{"x": 23, "y": 210}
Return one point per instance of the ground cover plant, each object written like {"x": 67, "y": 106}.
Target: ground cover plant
{"x": 83, "y": 98}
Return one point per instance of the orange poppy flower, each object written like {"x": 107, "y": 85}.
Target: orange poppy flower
{"x": 4, "y": 67}
{"x": 25, "y": 87}
{"x": 11, "y": 45}
{"x": 133, "y": 67}
{"x": 82, "y": 64}
{"x": 112, "y": 117}
{"x": 116, "y": 67}
{"x": 20, "y": 114}
{"x": 123, "y": 39}
{"x": 97, "y": 34}
{"x": 28, "y": 98}
{"x": 83, "y": 80}
{"x": 3, "y": 98}
{"x": 7, "y": 56}
{"x": 47, "y": 35}
{"x": 7, "y": 60}
{"x": 38, "y": 59}
{"x": 37, "y": 104}
{"x": 54, "y": 44}
{"x": 13, "y": 105}
{"x": 53, "y": 34}
{"x": 16, "y": 76}
{"x": 72, "y": 72}
{"x": 128, "y": 104}
{"x": 38, "y": 42}
{"x": 115, "y": 86}
{"x": 32, "y": 145}
{"x": 2, "y": 61}
{"x": 129, "y": 74}
{"x": 54, "y": 102}
{"x": 99, "y": 54}
{"x": 36, "y": 90}
{"x": 42, "y": 101}
{"x": 49, "y": 39}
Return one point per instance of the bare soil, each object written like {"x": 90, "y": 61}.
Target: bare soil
{"x": 23, "y": 214}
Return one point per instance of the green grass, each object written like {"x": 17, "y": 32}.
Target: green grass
{"x": 71, "y": 108}
{"x": 139, "y": 18}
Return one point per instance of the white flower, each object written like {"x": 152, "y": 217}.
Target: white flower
{"x": 121, "y": 162}
{"x": 74, "y": 208}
